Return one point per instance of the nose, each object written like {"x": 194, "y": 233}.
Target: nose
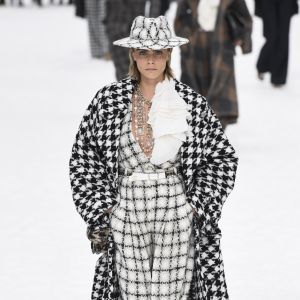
{"x": 150, "y": 57}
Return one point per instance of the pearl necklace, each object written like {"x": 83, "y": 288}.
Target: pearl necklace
{"x": 142, "y": 130}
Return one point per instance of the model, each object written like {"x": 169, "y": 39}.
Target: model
{"x": 150, "y": 170}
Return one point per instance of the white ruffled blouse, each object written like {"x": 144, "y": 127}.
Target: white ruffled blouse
{"x": 168, "y": 117}
{"x": 207, "y": 14}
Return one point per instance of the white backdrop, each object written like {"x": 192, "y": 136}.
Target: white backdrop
{"x": 47, "y": 79}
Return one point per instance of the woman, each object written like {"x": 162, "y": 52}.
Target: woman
{"x": 214, "y": 28}
{"x": 150, "y": 170}
{"x": 274, "y": 55}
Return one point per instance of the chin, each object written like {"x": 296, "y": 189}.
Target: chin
{"x": 152, "y": 75}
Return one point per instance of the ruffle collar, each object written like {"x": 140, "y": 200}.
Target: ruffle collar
{"x": 168, "y": 117}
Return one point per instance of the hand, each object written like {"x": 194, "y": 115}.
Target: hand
{"x": 238, "y": 43}
{"x": 98, "y": 238}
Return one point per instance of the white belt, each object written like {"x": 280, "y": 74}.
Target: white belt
{"x": 146, "y": 176}
{"x": 134, "y": 176}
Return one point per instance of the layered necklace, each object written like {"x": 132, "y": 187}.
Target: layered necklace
{"x": 142, "y": 130}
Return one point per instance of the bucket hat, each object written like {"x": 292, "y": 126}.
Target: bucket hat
{"x": 150, "y": 33}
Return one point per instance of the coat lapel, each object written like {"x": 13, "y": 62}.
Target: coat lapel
{"x": 115, "y": 107}
{"x": 187, "y": 149}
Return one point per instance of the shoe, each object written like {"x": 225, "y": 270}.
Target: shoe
{"x": 278, "y": 85}
{"x": 261, "y": 76}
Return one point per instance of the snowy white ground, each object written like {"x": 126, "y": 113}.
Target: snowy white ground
{"x": 47, "y": 80}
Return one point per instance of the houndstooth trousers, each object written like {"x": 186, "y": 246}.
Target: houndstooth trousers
{"x": 152, "y": 228}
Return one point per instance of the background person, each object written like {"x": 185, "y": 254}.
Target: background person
{"x": 273, "y": 57}
{"x": 150, "y": 170}
{"x": 214, "y": 28}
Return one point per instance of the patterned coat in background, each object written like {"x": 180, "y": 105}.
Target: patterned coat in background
{"x": 207, "y": 61}
{"x": 208, "y": 167}
{"x": 119, "y": 17}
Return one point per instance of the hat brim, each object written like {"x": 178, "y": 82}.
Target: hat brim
{"x": 151, "y": 44}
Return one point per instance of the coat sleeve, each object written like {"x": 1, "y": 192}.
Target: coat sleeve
{"x": 215, "y": 175}
{"x": 239, "y": 7}
{"x": 90, "y": 188}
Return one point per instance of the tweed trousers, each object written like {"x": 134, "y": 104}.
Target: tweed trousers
{"x": 152, "y": 228}
{"x": 96, "y": 12}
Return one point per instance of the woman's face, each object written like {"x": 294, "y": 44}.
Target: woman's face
{"x": 151, "y": 63}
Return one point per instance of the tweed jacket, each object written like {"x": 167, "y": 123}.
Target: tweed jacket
{"x": 208, "y": 166}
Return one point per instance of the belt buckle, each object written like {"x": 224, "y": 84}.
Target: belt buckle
{"x": 169, "y": 172}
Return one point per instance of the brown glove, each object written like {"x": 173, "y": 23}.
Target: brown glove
{"x": 98, "y": 238}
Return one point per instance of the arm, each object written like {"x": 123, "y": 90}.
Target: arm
{"x": 215, "y": 176}
{"x": 90, "y": 188}
{"x": 240, "y": 9}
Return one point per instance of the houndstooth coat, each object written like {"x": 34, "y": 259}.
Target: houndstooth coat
{"x": 208, "y": 165}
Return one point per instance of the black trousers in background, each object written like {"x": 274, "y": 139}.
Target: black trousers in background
{"x": 274, "y": 54}
{"x": 165, "y": 4}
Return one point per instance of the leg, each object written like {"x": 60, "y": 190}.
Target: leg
{"x": 92, "y": 9}
{"x": 280, "y": 66}
{"x": 165, "y": 4}
{"x": 131, "y": 243}
{"x": 102, "y": 30}
{"x": 173, "y": 255}
{"x": 265, "y": 58}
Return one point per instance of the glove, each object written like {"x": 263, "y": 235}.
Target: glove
{"x": 98, "y": 235}
{"x": 99, "y": 239}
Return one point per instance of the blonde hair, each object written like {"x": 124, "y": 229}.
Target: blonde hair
{"x": 135, "y": 73}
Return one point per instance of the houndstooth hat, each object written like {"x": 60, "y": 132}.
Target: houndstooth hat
{"x": 150, "y": 33}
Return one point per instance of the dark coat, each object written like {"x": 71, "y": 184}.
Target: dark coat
{"x": 207, "y": 61}
{"x": 208, "y": 164}
{"x": 260, "y": 12}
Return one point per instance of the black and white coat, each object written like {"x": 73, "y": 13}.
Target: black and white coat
{"x": 208, "y": 164}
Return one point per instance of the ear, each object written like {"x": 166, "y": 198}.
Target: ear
{"x": 133, "y": 54}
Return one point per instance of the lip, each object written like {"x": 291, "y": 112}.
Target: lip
{"x": 151, "y": 69}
